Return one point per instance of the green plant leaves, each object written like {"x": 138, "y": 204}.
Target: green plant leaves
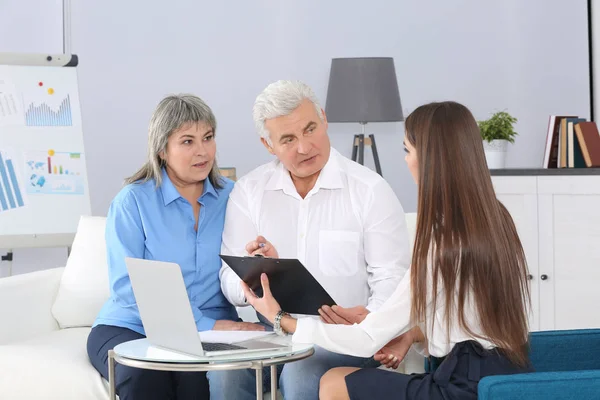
{"x": 498, "y": 127}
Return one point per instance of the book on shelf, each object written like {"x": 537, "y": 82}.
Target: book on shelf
{"x": 589, "y": 140}
{"x": 572, "y": 145}
{"x": 553, "y": 150}
{"x": 571, "y": 142}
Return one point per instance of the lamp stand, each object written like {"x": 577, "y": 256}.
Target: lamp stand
{"x": 358, "y": 148}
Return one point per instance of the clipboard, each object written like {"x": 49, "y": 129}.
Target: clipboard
{"x": 292, "y": 285}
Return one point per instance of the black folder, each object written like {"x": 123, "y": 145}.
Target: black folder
{"x": 292, "y": 285}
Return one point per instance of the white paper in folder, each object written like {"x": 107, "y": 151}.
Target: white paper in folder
{"x": 230, "y": 337}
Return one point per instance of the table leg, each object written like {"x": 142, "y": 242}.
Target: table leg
{"x": 112, "y": 395}
{"x": 273, "y": 382}
{"x": 259, "y": 383}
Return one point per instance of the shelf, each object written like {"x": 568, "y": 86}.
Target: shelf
{"x": 544, "y": 171}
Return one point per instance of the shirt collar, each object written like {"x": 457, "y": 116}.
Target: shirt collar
{"x": 329, "y": 178}
{"x": 331, "y": 174}
{"x": 170, "y": 192}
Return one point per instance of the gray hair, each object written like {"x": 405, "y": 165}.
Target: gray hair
{"x": 173, "y": 113}
{"x": 279, "y": 99}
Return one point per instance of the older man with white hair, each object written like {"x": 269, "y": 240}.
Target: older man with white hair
{"x": 340, "y": 219}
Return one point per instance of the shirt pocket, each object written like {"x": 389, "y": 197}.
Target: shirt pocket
{"x": 338, "y": 252}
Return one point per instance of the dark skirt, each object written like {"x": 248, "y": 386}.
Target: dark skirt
{"x": 456, "y": 378}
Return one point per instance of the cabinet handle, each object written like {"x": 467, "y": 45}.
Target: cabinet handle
{"x": 544, "y": 277}
{"x": 530, "y": 277}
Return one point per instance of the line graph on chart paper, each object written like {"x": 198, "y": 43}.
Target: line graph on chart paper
{"x": 47, "y": 106}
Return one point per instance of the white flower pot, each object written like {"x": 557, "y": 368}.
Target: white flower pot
{"x": 495, "y": 153}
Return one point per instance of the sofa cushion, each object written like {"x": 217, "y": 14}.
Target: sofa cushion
{"x": 52, "y": 366}
{"x": 84, "y": 284}
{"x": 25, "y": 305}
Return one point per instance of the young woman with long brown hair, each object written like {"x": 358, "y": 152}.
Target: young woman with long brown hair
{"x": 466, "y": 296}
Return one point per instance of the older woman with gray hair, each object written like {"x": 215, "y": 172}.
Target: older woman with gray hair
{"x": 172, "y": 209}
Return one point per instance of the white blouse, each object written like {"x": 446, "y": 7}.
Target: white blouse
{"x": 389, "y": 322}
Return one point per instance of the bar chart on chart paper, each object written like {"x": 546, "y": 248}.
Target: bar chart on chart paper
{"x": 43, "y": 114}
{"x": 43, "y": 175}
{"x": 11, "y": 194}
{"x": 54, "y": 172}
{"x": 47, "y": 104}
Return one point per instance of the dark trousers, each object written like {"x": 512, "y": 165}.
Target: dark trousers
{"x": 456, "y": 378}
{"x": 135, "y": 383}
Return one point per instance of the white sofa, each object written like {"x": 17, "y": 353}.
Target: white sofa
{"x": 45, "y": 318}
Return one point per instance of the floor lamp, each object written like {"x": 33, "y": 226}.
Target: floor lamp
{"x": 363, "y": 90}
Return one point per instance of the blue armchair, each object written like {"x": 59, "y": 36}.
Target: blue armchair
{"x": 566, "y": 364}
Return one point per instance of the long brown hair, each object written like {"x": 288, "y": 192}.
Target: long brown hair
{"x": 464, "y": 233}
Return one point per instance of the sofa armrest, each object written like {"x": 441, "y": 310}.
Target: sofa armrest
{"x": 565, "y": 350}
{"x": 578, "y": 385}
{"x": 26, "y": 304}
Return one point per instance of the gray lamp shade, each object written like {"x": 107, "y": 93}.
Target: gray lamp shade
{"x": 363, "y": 90}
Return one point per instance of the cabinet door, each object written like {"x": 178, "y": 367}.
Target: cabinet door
{"x": 519, "y": 196}
{"x": 569, "y": 213}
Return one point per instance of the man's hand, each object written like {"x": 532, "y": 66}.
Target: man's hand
{"x": 392, "y": 354}
{"x": 261, "y": 246}
{"x": 225, "y": 325}
{"x": 343, "y": 316}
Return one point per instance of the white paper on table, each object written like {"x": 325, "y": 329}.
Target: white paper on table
{"x": 230, "y": 337}
{"x": 159, "y": 353}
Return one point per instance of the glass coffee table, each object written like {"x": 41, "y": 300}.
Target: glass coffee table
{"x": 141, "y": 354}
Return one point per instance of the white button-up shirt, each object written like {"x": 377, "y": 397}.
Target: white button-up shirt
{"x": 349, "y": 231}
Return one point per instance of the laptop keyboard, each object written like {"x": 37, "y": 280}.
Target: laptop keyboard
{"x": 220, "y": 347}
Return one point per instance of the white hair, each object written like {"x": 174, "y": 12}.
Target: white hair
{"x": 279, "y": 99}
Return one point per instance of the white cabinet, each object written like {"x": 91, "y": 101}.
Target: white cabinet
{"x": 558, "y": 220}
{"x": 519, "y": 196}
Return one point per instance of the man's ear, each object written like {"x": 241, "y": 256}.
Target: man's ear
{"x": 324, "y": 119}
{"x": 266, "y": 144}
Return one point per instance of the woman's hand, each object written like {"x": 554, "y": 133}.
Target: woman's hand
{"x": 226, "y": 325}
{"x": 392, "y": 354}
{"x": 266, "y": 305}
{"x": 261, "y": 246}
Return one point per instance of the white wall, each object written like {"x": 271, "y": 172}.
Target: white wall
{"x": 548, "y": 66}
{"x": 31, "y": 26}
{"x": 490, "y": 56}
{"x": 529, "y": 57}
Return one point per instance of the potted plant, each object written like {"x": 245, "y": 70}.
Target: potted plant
{"x": 496, "y": 133}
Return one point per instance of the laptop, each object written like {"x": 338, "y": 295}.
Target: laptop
{"x": 167, "y": 316}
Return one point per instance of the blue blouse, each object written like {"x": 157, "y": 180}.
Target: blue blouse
{"x": 158, "y": 224}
